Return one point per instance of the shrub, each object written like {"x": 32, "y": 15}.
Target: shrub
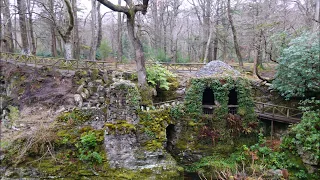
{"x": 298, "y": 72}
{"x": 158, "y": 76}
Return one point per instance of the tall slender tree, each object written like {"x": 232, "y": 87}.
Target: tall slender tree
{"x": 130, "y": 11}
{"x": 66, "y": 33}
{"x": 23, "y": 26}
{"x": 234, "y": 32}
{"x": 54, "y": 52}
{"x": 7, "y": 25}
{"x": 76, "y": 40}
{"x": 31, "y": 32}
{"x": 94, "y": 30}
{"x": 119, "y": 51}
{"x": 99, "y": 25}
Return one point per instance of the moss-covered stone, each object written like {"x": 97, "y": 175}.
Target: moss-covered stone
{"x": 75, "y": 117}
{"x": 120, "y": 127}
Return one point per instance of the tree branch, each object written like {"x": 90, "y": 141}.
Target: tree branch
{"x": 114, "y": 7}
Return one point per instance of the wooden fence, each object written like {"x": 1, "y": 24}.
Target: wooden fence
{"x": 59, "y": 63}
{"x": 278, "y": 113}
{"x": 74, "y": 64}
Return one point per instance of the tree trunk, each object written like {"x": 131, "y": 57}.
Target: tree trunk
{"x": 139, "y": 55}
{"x": 76, "y": 46}
{"x": 15, "y": 25}
{"x": 8, "y": 26}
{"x": 68, "y": 49}
{"x": 94, "y": 30}
{"x": 99, "y": 26}
{"x": 258, "y": 59}
{"x": 33, "y": 41}
{"x": 53, "y": 32}
{"x": 66, "y": 35}
{"x": 207, "y": 47}
{"x": 23, "y": 27}
{"x": 119, "y": 54}
{"x": 1, "y": 38}
{"x": 317, "y": 17}
{"x": 234, "y": 32}
{"x": 216, "y": 38}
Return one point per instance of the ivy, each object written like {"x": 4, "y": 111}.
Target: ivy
{"x": 221, "y": 88}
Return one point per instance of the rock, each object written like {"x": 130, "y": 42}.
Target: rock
{"x": 78, "y": 99}
{"x": 99, "y": 81}
{"x": 62, "y": 108}
{"x": 217, "y": 68}
{"x": 90, "y": 84}
{"x": 80, "y": 88}
{"x": 83, "y": 95}
{"x": 181, "y": 92}
{"x": 86, "y": 91}
{"x": 102, "y": 99}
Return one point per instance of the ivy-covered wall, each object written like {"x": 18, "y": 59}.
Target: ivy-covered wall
{"x": 221, "y": 88}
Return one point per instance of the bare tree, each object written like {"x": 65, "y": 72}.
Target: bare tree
{"x": 99, "y": 25}
{"x": 76, "y": 40}
{"x": 7, "y": 25}
{"x": 119, "y": 51}
{"x": 66, "y": 33}
{"x": 94, "y": 30}
{"x": 54, "y": 52}
{"x": 23, "y": 26}
{"x": 234, "y": 32}
{"x": 32, "y": 38}
{"x": 1, "y": 39}
{"x": 130, "y": 11}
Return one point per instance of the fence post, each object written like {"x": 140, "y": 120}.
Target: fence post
{"x": 271, "y": 131}
{"x": 273, "y": 111}
{"x": 288, "y": 113}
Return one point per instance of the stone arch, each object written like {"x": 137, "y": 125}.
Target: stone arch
{"x": 171, "y": 135}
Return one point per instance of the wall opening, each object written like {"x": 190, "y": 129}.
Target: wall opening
{"x": 207, "y": 101}
{"x": 233, "y": 101}
{"x": 171, "y": 134}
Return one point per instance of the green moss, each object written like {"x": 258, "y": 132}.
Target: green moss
{"x": 153, "y": 124}
{"x": 146, "y": 95}
{"x": 94, "y": 74}
{"x": 166, "y": 95}
{"x": 120, "y": 127}
{"x": 75, "y": 117}
{"x": 221, "y": 87}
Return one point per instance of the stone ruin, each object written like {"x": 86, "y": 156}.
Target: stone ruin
{"x": 120, "y": 107}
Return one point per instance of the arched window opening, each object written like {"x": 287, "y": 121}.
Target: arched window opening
{"x": 233, "y": 101}
{"x": 171, "y": 134}
{"x": 208, "y": 101}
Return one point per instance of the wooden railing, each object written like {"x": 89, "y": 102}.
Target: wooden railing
{"x": 209, "y": 109}
{"x": 176, "y": 67}
{"x": 263, "y": 110}
{"x": 278, "y": 113}
{"x": 74, "y": 64}
{"x": 59, "y": 63}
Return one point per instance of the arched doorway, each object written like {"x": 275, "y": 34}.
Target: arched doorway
{"x": 208, "y": 101}
{"x": 171, "y": 135}
{"x": 233, "y": 101}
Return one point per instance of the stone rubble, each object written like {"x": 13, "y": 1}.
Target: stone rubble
{"x": 216, "y": 68}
